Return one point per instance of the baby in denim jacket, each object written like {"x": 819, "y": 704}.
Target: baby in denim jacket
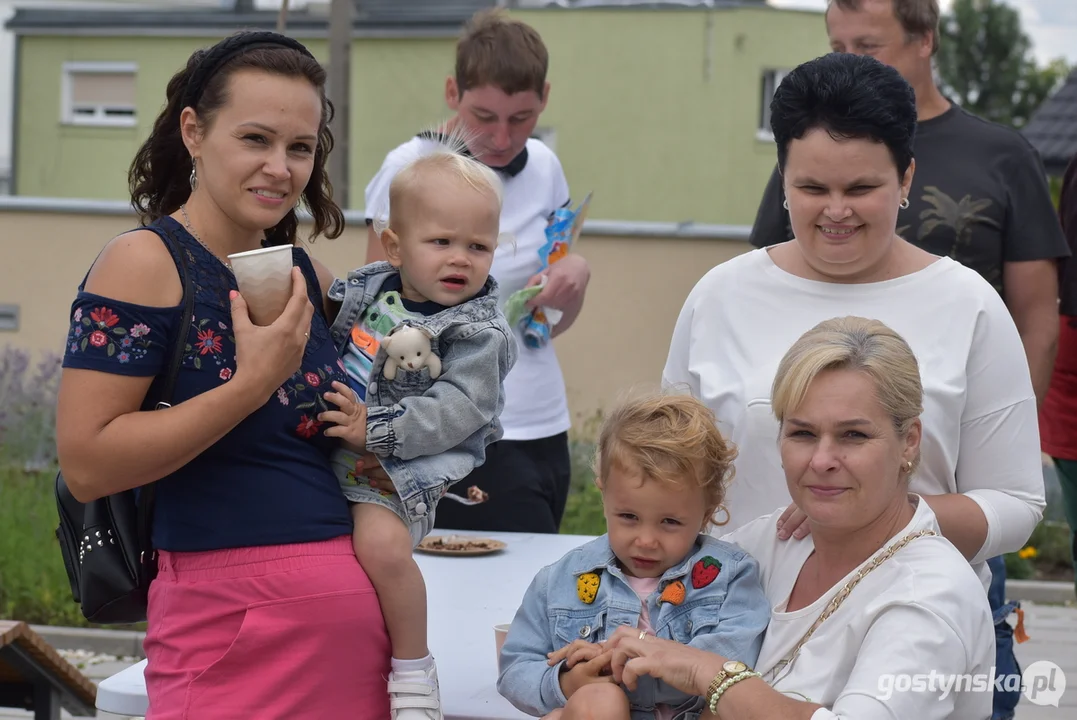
{"x": 661, "y": 466}
{"x": 429, "y": 411}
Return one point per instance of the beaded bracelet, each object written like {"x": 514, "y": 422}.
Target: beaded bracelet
{"x": 730, "y": 682}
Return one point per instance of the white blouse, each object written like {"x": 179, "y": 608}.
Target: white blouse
{"x": 980, "y": 425}
{"x": 918, "y": 621}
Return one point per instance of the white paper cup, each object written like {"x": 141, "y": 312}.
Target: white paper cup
{"x": 500, "y": 631}
{"x": 264, "y": 277}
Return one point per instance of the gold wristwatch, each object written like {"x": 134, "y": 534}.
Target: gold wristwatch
{"x": 729, "y": 669}
{"x": 733, "y": 671}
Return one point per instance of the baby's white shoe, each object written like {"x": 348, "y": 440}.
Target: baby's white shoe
{"x": 414, "y": 695}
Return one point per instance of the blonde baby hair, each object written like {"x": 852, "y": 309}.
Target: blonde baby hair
{"x": 445, "y": 155}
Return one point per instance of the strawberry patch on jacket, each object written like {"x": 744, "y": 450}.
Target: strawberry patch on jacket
{"x": 705, "y": 571}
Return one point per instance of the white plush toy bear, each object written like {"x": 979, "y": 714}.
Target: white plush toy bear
{"x": 409, "y": 347}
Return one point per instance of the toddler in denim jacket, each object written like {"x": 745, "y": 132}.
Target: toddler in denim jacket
{"x": 662, "y": 467}
{"x": 426, "y": 350}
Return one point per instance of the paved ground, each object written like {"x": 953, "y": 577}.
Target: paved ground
{"x": 1052, "y": 628}
{"x": 1053, "y": 637}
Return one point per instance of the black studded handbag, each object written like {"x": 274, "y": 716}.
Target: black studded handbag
{"x": 106, "y": 543}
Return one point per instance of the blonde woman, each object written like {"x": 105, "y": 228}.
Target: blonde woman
{"x": 874, "y": 596}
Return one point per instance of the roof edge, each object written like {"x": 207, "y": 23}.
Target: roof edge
{"x": 184, "y": 22}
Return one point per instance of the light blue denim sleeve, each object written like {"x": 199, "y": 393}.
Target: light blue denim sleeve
{"x": 526, "y": 680}
{"x": 463, "y": 400}
{"x": 736, "y": 630}
{"x": 745, "y": 614}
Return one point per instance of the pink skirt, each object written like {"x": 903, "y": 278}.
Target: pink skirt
{"x": 285, "y": 631}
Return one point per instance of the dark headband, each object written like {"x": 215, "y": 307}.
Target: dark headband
{"x": 228, "y": 49}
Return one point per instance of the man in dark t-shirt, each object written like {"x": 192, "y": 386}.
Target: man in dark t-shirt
{"x": 979, "y": 194}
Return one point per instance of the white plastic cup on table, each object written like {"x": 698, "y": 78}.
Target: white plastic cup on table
{"x": 264, "y": 277}
{"x": 500, "y": 631}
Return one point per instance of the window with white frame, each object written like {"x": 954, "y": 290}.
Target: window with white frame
{"x": 99, "y": 93}
{"x": 770, "y": 82}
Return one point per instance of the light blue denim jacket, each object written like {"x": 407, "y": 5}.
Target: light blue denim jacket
{"x": 429, "y": 434}
{"x": 728, "y": 616}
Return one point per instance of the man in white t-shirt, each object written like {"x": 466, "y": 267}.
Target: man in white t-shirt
{"x": 498, "y": 91}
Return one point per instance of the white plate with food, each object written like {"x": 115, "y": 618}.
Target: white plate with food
{"x": 459, "y": 545}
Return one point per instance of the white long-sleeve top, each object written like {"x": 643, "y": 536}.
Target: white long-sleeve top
{"x": 914, "y": 627}
{"x": 980, "y": 427}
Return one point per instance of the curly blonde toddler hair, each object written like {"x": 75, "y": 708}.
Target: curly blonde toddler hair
{"x": 670, "y": 438}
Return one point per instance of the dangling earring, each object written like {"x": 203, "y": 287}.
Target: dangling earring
{"x": 904, "y": 204}
{"x": 194, "y": 176}
{"x": 785, "y": 203}
{"x": 722, "y": 508}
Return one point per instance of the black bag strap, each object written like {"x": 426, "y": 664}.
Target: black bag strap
{"x": 147, "y": 492}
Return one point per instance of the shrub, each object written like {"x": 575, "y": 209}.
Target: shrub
{"x": 28, "y": 409}
{"x": 1046, "y": 556}
{"x": 583, "y": 510}
{"x": 33, "y": 583}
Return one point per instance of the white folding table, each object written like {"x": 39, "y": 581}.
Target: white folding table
{"x": 467, "y": 596}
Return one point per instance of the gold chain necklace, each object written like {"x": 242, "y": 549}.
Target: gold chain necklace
{"x": 835, "y": 602}
{"x": 187, "y": 224}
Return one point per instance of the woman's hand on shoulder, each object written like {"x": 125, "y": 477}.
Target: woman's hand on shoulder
{"x": 268, "y": 355}
{"x": 136, "y": 267}
{"x": 792, "y": 523}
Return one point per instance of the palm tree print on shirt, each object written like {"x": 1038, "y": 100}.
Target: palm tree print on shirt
{"x": 961, "y": 217}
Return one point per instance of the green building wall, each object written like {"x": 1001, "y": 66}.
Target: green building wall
{"x": 657, "y": 112}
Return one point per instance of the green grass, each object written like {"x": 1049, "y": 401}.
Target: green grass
{"x": 583, "y": 510}
{"x": 33, "y": 583}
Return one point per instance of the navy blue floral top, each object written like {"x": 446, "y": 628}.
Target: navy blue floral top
{"x": 266, "y": 482}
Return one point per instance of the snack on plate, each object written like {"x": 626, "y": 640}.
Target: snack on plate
{"x": 457, "y": 543}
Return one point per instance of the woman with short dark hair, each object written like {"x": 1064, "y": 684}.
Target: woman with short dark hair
{"x": 844, "y": 127}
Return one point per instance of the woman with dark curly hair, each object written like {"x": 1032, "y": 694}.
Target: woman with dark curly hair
{"x": 256, "y": 573}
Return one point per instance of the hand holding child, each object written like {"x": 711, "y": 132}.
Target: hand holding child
{"x": 349, "y": 421}
{"x": 576, "y": 651}
{"x": 596, "y": 670}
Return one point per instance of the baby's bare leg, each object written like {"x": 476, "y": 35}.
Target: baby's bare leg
{"x": 383, "y": 545}
{"x": 597, "y": 701}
